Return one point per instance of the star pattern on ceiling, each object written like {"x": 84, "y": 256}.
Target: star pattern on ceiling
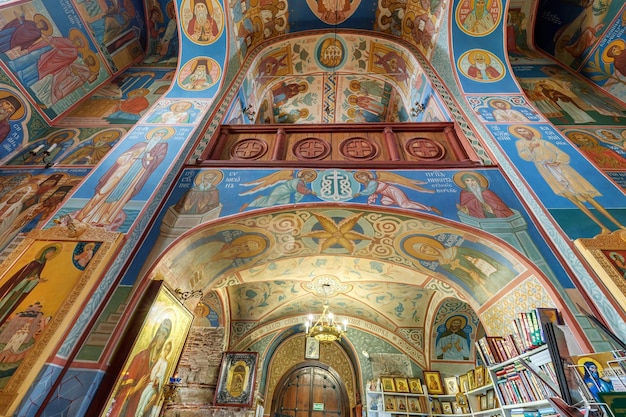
{"x": 341, "y": 233}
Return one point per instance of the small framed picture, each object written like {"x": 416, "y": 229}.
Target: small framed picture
{"x": 483, "y": 402}
{"x": 390, "y": 403}
{"x": 402, "y": 385}
{"x": 312, "y": 350}
{"x": 452, "y": 385}
{"x": 457, "y": 408}
{"x": 491, "y": 399}
{"x": 487, "y": 377}
{"x": 471, "y": 380}
{"x": 479, "y": 376}
{"x": 388, "y": 384}
{"x": 433, "y": 382}
{"x": 401, "y": 404}
{"x": 415, "y": 386}
{"x": 414, "y": 405}
{"x": 436, "y": 405}
{"x": 446, "y": 407}
{"x": 463, "y": 383}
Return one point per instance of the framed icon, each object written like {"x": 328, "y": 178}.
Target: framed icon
{"x": 479, "y": 376}
{"x": 312, "y": 350}
{"x": 402, "y": 385}
{"x": 433, "y": 382}
{"x": 390, "y": 403}
{"x": 452, "y": 385}
{"x": 463, "y": 383}
{"x": 415, "y": 386}
{"x": 446, "y": 407}
{"x": 388, "y": 384}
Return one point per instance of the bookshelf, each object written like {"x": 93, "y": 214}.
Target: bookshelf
{"x": 395, "y": 404}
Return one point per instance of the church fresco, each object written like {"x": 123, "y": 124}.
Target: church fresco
{"x": 503, "y": 109}
{"x": 29, "y": 198}
{"x": 456, "y": 194}
{"x": 39, "y": 283}
{"x": 14, "y": 116}
{"x": 123, "y": 100}
{"x": 124, "y": 186}
{"x": 57, "y": 64}
{"x": 202, "y": 21}
{"x": 566, "y": 100}
{"x": 563, "y": 181}
{"x": 569, "y": 29}
{"x": 176, "y": 111}
{"x": 162, "y": 34}
{"x": 478, "y": 17}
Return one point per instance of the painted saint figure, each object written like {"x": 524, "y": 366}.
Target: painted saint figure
{"x": 479, "y": 21}
{"x": 125, "y": 179}
{"x": 476, "y": 199}
{"x": 482, "y": 274}
{"x": 202, "y": 27}
{"x": 15, "y": 289}
{"x": 9, "y": 105}
{"x": 453, "y": 339}
{"x": 554, "y": 167}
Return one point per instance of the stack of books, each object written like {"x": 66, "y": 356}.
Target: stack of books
{"x": 528, "y": 334}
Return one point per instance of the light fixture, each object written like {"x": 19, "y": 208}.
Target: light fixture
{"x": 417, "y": 109}
{"x": 45, "y": 155}
{"x": 184, "y": 295}
{"x": 326, "y": 328}
{"x": 249, "y": 112}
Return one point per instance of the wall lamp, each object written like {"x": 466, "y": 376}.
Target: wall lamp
{"x": 45, "y": 154}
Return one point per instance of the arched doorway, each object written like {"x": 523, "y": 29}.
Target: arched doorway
{"x": 311, "y": 390}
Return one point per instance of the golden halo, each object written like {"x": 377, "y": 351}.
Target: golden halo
{"x": 487, "y": 5}
{"x": 617, "y": 42}
{"x": 583, "y": 133}
{"x": 462, "y": 318}
{"x": 170, "y": 132}
{"x": 304, "y": 113}
{"x": 201, "y": 310}
{"x": 493, "y": 100}
{"x": 18, "y": 189}
{"x": 95, "y": 67}
{"x": 471, "y": 57}
{"x": 19, "y": 113}
{"x": 187, "y": 105}
{"x": 139, "y": 92}
{"x": 75, "y": 34}
{"x": 581, "y": 362}
{"x": 115, "y": 135}
{"x": 305, "y": 172}
{"x": 458, "y": 178}
{"x": 408, "y": 246}
{"x": 41, "y": 18}
{"x": 218, "y": 177}
{"x": 512, "y": 131}
{"x": 261, "y": 245}
{"x": 57, "y": 246}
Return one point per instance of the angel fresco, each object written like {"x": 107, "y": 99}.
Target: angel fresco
{"x": 384, "y": 184}
{"x": 287, "y": 188}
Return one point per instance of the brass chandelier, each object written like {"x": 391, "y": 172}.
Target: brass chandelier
{"x": 326, "y": 329}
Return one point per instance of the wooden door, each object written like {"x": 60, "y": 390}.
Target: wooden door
{"x": 311, "y": 391}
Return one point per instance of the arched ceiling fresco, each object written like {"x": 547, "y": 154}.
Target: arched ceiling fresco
{"x": 373, "y": 266}
{"x": 337, "y": 77}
